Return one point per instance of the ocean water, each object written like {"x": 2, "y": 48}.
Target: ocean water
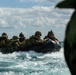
{"x": 32, "y": 63}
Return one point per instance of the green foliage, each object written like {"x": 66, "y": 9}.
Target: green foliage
{"x": 71, "y": 30}
{"x": 70, "y": 36}
{"x": 67, "y": 4}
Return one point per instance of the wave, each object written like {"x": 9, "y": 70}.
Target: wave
{"x": 32, "y": 63}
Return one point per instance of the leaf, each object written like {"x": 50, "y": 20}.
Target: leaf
{"x": 67, "y": 4}
{"x": 71, "y": 29}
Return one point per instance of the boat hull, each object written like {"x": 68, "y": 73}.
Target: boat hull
{"x": 40, "y": 48}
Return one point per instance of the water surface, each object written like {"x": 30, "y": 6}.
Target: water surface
{"x": 32, "y": 63}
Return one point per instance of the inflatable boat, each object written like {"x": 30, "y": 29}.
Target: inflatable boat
{"x": 48, "y": 46}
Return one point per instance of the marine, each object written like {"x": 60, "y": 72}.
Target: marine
{"x": 51, "y": 36}
{"x": 14, "y": 43}
{"x": 34, "y": 39}
{"x": 3, "y": 40}
{"x": 22, "y": 40}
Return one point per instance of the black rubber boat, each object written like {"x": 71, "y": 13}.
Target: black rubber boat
{"x": 48, "y": 46}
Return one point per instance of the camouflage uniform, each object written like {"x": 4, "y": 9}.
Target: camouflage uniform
{"x": 3, "y": 40}
{"x": 14, "y": 43}
{"x": 50, "y": 35}
{"x": 22, "y": 40}
{"x": 34, "y": 39}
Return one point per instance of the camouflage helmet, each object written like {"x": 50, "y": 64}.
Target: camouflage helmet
{"x": 50, "y": 32}
{"x": 4, "y": 35}
{"x": 15, "y": 37}
{"x": 21, "y": 35}
{"x": 38, "y": 33}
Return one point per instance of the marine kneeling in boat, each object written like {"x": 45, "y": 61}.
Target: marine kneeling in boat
{"x": 22, "y": 40}
{"x": 34, "y": 39}
{"x": 4, "y": 40}
{"x": 14, "y": 43}
{"x": 51, "y": 37}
